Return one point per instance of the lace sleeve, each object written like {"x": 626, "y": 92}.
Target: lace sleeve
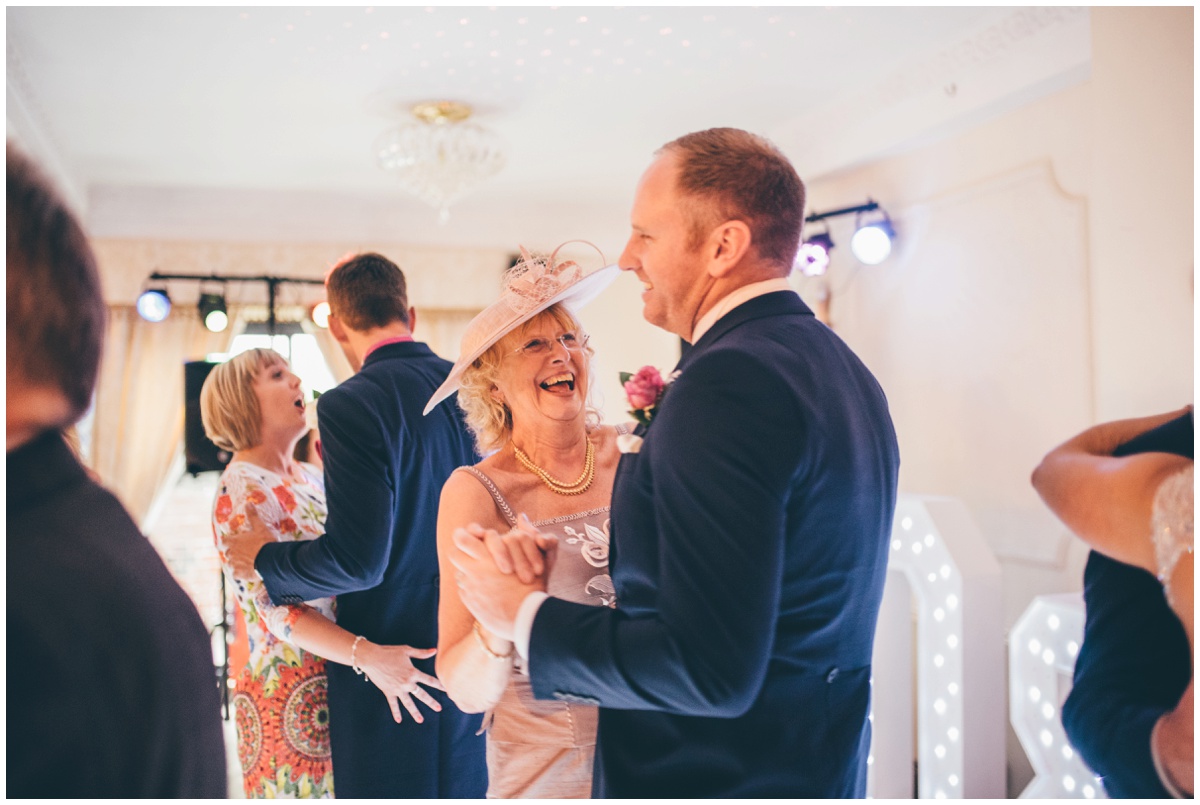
{"x": 1172, "y": 523}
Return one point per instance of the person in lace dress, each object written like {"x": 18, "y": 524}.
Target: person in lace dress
{"x": 252, "y": 405}
{"x": 523, "y": 379}
{"x": 1137, "y": 509}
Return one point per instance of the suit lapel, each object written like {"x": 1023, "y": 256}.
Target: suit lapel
{"x": 776, "y": 303}
{"x": 772, "y": 304}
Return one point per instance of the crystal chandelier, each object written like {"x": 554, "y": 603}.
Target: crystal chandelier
{"x": 440, "y": 157}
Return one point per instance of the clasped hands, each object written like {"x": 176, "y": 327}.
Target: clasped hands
{"x": 496, "y": 571}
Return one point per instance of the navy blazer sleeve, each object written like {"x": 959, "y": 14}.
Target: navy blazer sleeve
{"x": 703, "y": 648}
{"x": 1134, "y": 663}
{"x": 353, "y": 553}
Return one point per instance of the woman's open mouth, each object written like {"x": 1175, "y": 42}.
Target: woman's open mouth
{"x": 566, "y": 378}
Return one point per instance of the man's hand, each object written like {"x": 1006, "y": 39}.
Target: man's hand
{"x": 491, "y": 569}
{"x": 524, "y": 550}
{"x": 242, "y": 547}
{"x": 392, "y": 671}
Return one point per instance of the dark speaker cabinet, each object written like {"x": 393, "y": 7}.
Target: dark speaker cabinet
{"x": 200, "y": 453}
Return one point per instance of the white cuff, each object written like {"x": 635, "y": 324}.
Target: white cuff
{"x": 523, "y": 624}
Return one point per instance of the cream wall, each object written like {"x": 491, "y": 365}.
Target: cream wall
{"x": 1042, "y": 283}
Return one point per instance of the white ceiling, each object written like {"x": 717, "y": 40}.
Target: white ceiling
{"x": 257, "y": 124}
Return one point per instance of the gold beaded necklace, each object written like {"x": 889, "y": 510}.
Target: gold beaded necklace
{"x": 577, "y": 487}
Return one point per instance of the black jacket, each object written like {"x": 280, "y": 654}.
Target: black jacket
{"x": 111, "y": 685}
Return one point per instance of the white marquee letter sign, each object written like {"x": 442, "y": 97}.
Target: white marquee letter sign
{"x": 1042, "y": 648}
{"x": 954, "y": 581}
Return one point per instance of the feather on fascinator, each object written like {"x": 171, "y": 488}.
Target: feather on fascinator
{"x": 535, "y": 283}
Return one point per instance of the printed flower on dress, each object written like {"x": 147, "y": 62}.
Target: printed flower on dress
{"x": 224, "y": 508}
{"x": 256, "y": 496}
{"x": 287, "y": 526}
{"x": 285, "y": 498}
{"x": 645, "y": 391}
{"x": 592, "y": 542}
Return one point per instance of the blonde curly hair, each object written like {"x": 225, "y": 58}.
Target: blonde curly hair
{"x": 489, "y": 419}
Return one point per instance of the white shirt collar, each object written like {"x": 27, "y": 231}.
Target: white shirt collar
{"x": 734, "y": 299}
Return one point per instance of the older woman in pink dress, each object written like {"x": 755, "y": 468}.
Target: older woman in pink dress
{"x": 523, "y": 381}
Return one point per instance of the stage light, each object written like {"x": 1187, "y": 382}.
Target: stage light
{"x": 213, "y": 312}
{"x": 813, "y": 257}
{"x": 872, "y": 242}
{"x": 320, "y": 314}
{"x": 154, "y": 304}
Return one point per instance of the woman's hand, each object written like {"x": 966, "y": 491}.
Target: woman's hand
{"x": 392, "y": 671}
{"x": 494, "y": 573}
{"x": 1173, "y": 739}
{"x": 524, "y": 550}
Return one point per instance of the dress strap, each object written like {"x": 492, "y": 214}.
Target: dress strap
{"x": 501, "y": 503}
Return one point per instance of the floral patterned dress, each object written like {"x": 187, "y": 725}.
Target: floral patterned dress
{"x": 281, "y": 704}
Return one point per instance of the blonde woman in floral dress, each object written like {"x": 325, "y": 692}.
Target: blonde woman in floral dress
{"x": 253, "y": 406}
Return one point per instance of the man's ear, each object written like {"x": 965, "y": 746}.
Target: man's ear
{"x": 727, "y": 245}
{"x": 412, "y": 319}
{"x": 337, "y": 330}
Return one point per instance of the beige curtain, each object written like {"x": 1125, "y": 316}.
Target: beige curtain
{"x": 138, "y": 427}
{"x": 441, "y": 328}
{"x": 331, "y": 350}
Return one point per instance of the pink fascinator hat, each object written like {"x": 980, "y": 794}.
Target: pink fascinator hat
{"x": 535, "y": 283}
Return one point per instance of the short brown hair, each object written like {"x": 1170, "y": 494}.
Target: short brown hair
{"x": 367, "y": 291}
{"x": 489, "y": 420}
{"x": 55, "y": 309}
{"x": 228, "y": 405}
{"x": 741, "y": 176}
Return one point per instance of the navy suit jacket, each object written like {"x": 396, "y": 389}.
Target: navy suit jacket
{"x": 1135, "y": 661}
{"x": 749, "y": 545}
{"x": 385, "y": 464}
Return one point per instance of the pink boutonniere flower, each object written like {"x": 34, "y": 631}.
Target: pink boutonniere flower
{"x": 645, "y": 391}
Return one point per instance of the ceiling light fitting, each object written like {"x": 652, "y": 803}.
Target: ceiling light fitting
{"x": 871, "y": 242}
{"x": 319, "y": 313}
{"x": 440, "y": 157}
{"x": 213, "y": 311}
{"x": 813, "y": 258}
{"x": 154, "y": 303}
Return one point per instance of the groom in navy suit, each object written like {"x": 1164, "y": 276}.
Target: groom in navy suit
{"x": 750, "y": 523}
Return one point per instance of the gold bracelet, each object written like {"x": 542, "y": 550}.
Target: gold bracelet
{"x": 483, "y": 645}
{"x": 354, "y": 661}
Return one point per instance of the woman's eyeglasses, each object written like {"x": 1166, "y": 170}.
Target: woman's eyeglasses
{"x": 542, "y": 346}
